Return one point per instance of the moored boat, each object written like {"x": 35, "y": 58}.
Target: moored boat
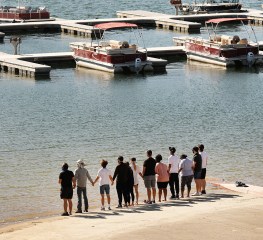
{"x": 23, "y": 13}
{"x": 224, "y": 50}
{"x": 112, "y": 55}
{"x": 208, "y": 6}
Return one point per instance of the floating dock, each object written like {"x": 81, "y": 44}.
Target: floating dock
{"x": 31, "y": 65}
{"x": 14, "y": 65}
{"x": 84, "y": 28}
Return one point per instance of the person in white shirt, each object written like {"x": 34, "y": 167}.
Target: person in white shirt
{"x": 173, "y": 167}
{"x": 104, "y": 175}
{"x": 204, "y": 164}
{"x": 136, "y": 172}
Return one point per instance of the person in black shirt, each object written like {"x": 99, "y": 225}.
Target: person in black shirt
{"x": 121, "y": 173}
{"x": 130, "y": 195}
{"x": 197, "y": 167}
{"x": 68, "y": 183}
{"x": 149, "y": 177}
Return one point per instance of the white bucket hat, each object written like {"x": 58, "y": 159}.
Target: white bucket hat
{"x": 81, "y": 162}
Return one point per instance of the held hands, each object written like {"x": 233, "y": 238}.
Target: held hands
{"x": 112, "y": 182}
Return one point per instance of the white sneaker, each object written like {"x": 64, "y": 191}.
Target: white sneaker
{"x": 196, "y": 194}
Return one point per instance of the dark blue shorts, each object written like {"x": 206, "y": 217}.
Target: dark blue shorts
{"x": 203, "y": 173}
{"x": 197, "y": 175}
{"x": 66, "y": 193}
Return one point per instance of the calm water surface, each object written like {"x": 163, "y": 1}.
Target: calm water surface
{"x": 87, "y": 114}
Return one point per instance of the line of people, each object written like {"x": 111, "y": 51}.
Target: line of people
{"x": 127, "y": 179}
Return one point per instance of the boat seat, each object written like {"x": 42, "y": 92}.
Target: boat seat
{"x": 243, "y": 41}
{"x": 225, "y": 39}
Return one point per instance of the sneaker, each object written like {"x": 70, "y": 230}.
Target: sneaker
{"x": 177, "y": 196}
{"x": 203, "y": 192}
{"x": 109, "y": 208}
{"x": 65, "y": 214}
{"x": 102, "y": 209}
{"x": 119, "y": 206}
{"x": 78, "y": 211}
{"x": 172, "y": 197}
{"x": 196, "y": 194}
{"x": 86, "y": 210}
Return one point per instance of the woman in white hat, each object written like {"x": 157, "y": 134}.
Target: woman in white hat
{"x": 81, "y": 176}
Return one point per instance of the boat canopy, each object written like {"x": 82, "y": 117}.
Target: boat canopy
{"x": 112, "y": 25}
{"x": 219, "y": 20}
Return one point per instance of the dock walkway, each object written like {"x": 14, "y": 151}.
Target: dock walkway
{"x": 84, "y": 28}
{"x": 29, "y": 64}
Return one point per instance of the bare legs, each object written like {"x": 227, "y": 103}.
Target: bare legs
{"x": 164, "y": 190}
{"x": 198, "y": 183}
{"x": 149, "y": 193}
{"x": 203, "y": 184}
{"x": 67, "y": 204}
{"x": 154, "y": 193}
{"x": 136, "y": 193}
{"x": 102, "y": 199}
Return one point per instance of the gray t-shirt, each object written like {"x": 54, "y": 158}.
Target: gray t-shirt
{"x": 81, "y": 175}
{"x": 186, "y": 165}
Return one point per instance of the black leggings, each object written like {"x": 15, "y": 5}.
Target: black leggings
{"x": 122, "y": 191}
{"x": 130, "y": 195}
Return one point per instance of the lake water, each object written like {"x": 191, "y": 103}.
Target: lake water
{"x": 87, "y": 114}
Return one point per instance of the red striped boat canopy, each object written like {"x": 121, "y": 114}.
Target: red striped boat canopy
{"x": 111, "y": 25}
{"x": 219, "y": 20}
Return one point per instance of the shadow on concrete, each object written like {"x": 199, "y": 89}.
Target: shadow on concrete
{"x": 183, "y": 202}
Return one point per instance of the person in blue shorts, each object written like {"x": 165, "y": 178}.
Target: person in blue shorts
{"x": 104, "y": 175}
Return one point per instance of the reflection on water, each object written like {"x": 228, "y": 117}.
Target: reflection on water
{"x": 88, "y": 114}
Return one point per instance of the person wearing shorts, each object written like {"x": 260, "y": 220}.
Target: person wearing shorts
{"x": 186, "y": 170}
{"x": 162, "y": 174}
{"x": 68, "y": 183}
{"x": 197, "y": 167}
{"x": 149, "y": 177}
{"x": 104, "y": 176}
{"x": 204, "y": 164}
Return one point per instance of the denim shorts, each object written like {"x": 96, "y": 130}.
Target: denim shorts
{"x": 105, "y": 188}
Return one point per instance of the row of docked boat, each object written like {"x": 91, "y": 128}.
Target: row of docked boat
{"x": 207, "y": 6}
{"x": 123, "y": 56}
{"x": 224, "y": 50}
{"x": 118, "y": 56}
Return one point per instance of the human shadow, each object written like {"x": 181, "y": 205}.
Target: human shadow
{"x": 142, "y": 208}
